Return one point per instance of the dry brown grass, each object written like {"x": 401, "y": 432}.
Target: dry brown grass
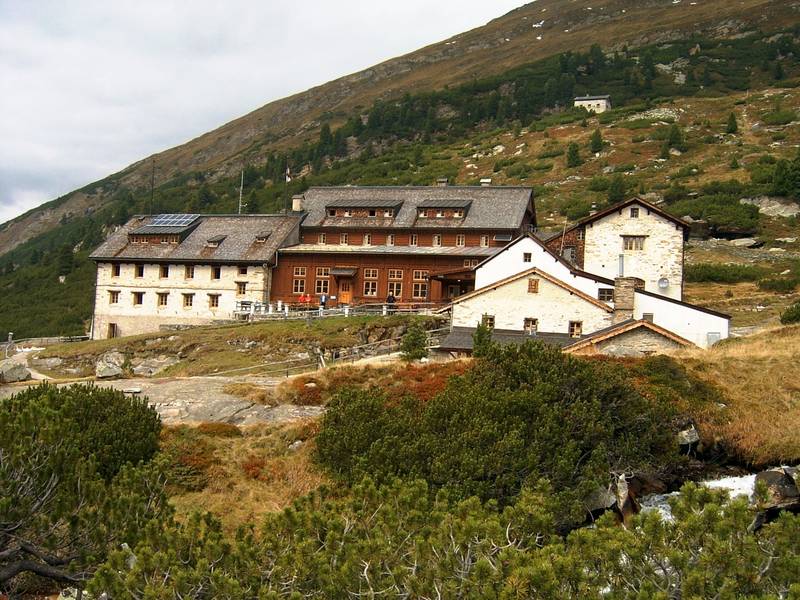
{"x": 759, "y": 376}
{"x": 250, "y": 475}
{"x": 250, "y": 392}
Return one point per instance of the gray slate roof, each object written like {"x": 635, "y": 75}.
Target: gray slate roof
{"x": 492, "y": 207}
{"x": 472, "y": 251}
{"x": 238, "y": 246}
{"x": 460, "y": 338}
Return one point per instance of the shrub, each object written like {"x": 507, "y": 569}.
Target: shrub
{"x": 779, "y": 117}
{"x": 791, "y": 314}
{"x": 723, "y": 212}
{"x": 414, "y": 344}
{"x": 598, "y": 184}
{"x": 519, "y": 170}
{"x": 573, "y": 156}
{"x": 616, "y": 189}
{"x": 779, "y": 285}
{"x": 723, "y": 273}
{"x": 227, "y": 430}
{"x": 551, "y": 152}
{"x": 521, "y": 414}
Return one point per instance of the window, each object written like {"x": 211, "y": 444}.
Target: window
{"x": 372, "y": 212}
{"x": 368, "y": 239}
{"x": 526, "y": 257}
{"x": 414, "y": 239}
{"x": 420, "y": 290}
{"x": 343, "y": 239}
{"x": 216, "y": 272}
{"x": 420, "y": 275}
{"x": 439, "y": 214}
{"x": 488, "y": 321}
{"x": 242, "y": 270}
{"x": 300, "y": 271}
{"x": 634, "y": 212}
{"x": 323, "y": 271}
{"x": 395, "y": 288}
{"x": 575, "y": 329}
{"x": 213, "y": 301}
{"x": 331, "y": 212}
{"x": 389, "y": 212}
{"x": 437, "y": 239}
{"x": 423, "y": 214}
{"x": 395, "y": 273}
{"x": 188, "y": 272}
{"x": 322, "y": 286}
{"x": 470, "y": 262}
{"x": 115, "y": 270}
{"x": 605, "y": 294}
{"x": 164, "y": 271}
{"x": 188, "y": 300}
{"x": 533, "y": 286}
{"x": 140, "y": 271}
{"x": 633, "y": 242}
{"x": 370, "y": 288}
{"x": 579, "y": 235}
{"x": 323, "y": 238}
{"x": 299, "y": 286}
{"x": 138, "y": 298}
{"x": 163, "y": 298}
{"x": 348, "y": 212}
{"x": 461, "y": 239}
{"x": 647, "y": 317}
{"x": 164, "y": 240}
{"x": 458, "y": 214}
{"x": 390, "y": 239}
{"x": 530, "y": 325}
{"x": 370, "y": 273}
{"x": 241, "y": 288}
{"x": 485, "y": 241}
{"x": 569, "y": 253}
{"x": 113, "y": 297}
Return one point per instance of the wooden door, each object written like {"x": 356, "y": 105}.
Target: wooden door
{"x": 345, "y": 291}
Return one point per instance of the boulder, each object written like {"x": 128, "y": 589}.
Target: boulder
{"x": 782, "y": 491}
{"x": 152, "y": 366}
{"x": 47, "y": 363}
{"x": 688, "y": 439}
{"x": 12, "y": 371}
{"x": 110, "y": 365}
{"x": 744, "y": 243}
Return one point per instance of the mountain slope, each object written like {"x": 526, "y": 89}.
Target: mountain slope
{"x": 534, "y": 31}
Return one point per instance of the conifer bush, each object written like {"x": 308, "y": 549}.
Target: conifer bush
{"x": 791, "y": 315}
{"x": 414, "y": 344}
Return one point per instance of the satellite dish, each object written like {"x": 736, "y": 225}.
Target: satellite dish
{"x": 663, "y": 283}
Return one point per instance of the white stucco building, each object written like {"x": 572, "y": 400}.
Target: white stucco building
{"x": 174, "y": 270}
{"x": 597, "y": 104}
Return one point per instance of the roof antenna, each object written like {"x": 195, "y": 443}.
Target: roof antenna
{"x": 152, "y": 185}
{"x": 241, "y": 187}
{"x": 563, "y": 235}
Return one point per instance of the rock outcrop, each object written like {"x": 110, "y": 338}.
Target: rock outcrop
{"x": 12, "y": 371}
{"x": 110, "y": 364}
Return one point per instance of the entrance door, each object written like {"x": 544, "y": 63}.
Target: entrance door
{"x": 113, "y": 330}
{"x": 345, "y": 291}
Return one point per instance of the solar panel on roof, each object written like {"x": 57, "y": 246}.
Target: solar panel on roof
{"x": 173, "y": 220}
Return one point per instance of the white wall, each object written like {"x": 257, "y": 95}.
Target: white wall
{"x": 511, "y": 303}
{"x": 597, "y": 106}
{"x": 685, "y": 321}
{"x": 510, "y": 261}
{"x": 133, "y": 320}
{"x": 662, "y": 255}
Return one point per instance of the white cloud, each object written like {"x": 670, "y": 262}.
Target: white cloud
{"x": 90, "y": 86}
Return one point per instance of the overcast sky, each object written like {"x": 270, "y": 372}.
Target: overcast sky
{"x": 90, "y": 86}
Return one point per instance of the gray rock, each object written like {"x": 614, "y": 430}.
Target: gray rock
{"x": 782, "y": 492}
{"x": 295, "y": 446}
{"x": 11, "y": 371}
{"x": 47, "y": 363}
{"x": 744, "y": 243}
{"x": 773, "y": 207}
{"x": 688, "y": 438}
{"x": 152, "y": 366}
{"x": 109, "y": 365}
{"x": 786, "y": 240}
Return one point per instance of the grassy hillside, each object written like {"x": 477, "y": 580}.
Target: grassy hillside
{"x": 667, "y": 137}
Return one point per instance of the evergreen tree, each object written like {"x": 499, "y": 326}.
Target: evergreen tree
{"x": 616, "y": 189}
{"x": 664, "y": 153}
{"x": 252, "y": 206}
{"x": 596, "y": 142}
{"x": 733, "y": 126}
{"x": 676, "y": 139}
{"x": 482, "y": 341}
{"x": 777, "y": 71}
{"x": 66, "y": 260}
{"x": 414, "y": 345}
{"x": 573, "y": 156}
{"x": 734, "y": 163}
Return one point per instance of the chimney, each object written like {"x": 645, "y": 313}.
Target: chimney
{"x": 593, "y": 210}
{"x": 486, "y": 182}
{"x": 624, "y": 292}
{"x": 297, "y": 203}
{"x": 442, "y": 182}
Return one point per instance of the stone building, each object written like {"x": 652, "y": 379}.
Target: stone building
{"x": 596, "y": 104}
{"x": 633, "y": 238}
{"x": 185, "y": 269}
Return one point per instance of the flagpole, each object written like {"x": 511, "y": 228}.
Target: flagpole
{"x": 241, "y": 188}
{"x": 286, "y": 190}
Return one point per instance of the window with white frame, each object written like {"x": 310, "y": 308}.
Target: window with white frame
{"x": 390, "y": 239}
{"x": 414, "y": 240}
{"x": 633, "y": 242}
{"x": 395, "y": 273}
{"x": 300, "y": 271}
{"x": 419, "y": 275}
{"x": 530, "y": 325}
{"x": 323, "y": 272}
{"x": 437, "y": 239}
{"x": 367, "y": 239}
{"x": 420, "y": 290}
{"x": 370, "y": 273}
{"x": 299, "y": 286}
{"x": 395, "y": 288}
{"x": 461, "y": 240}
{"x": 322, "y": 238}
{"x": 575, "y": 329}
{"x": 370, "y": 288}
{"x": 343, "y": 239}
{"x": 485, "y": 241}
{"x": 322, "y": 286}
{"x": 389, "y": 212}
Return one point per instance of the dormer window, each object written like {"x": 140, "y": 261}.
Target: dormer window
{"x": 423, "y": 214}
{"x": 262, "y": 237}
{"x": 439, "y": 214}
{"x": 215, "y": 241}
{"x": 372, "y": 212}
{"x": 348, "y": 212}
{"x": 331, "y": 212}
{"x": 458, "y": 214}
{"x": 389, "y": 212}
{"x": 367, "y": 239}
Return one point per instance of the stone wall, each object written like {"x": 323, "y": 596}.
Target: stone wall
{"x": 636, "y": 343}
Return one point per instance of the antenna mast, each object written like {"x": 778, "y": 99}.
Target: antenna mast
{"x": 152, "y": 184}
{"x": 241, "y": 188}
